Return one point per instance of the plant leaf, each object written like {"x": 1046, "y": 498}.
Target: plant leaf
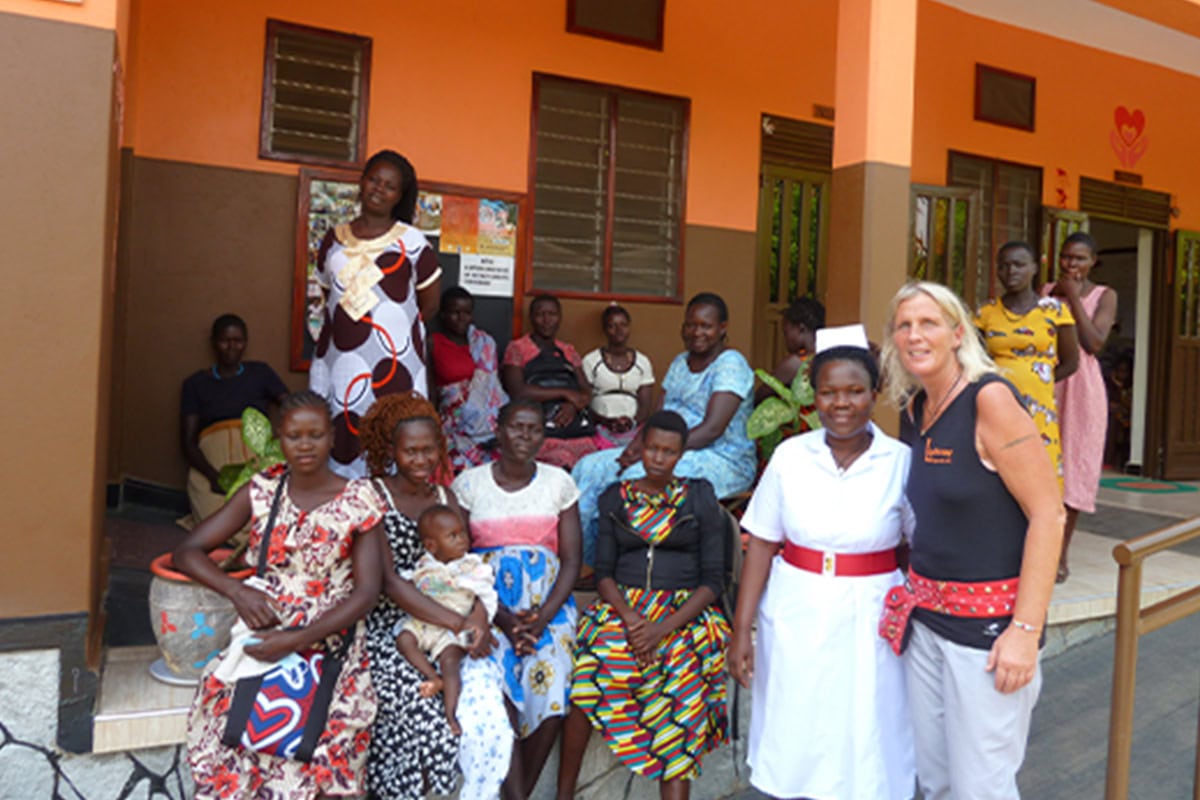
{"x": 228, "y": 474}
{"x": 812, "y": 420}
{"x": 770, "y": 416}
{"x": 768, "y": 443}
{"x": 256, "y": 430}
{"x": 273, "y": 454}
{"x": 802, "y": 390}
{"x": 776, "y": 385}
{"x": 248, "y": 471}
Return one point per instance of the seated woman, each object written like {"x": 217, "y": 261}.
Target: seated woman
{"x": 621, "y": 380}
{"x": 817, "y": 655}
{"x": 210, "y": 412}
{"x": 522, "y": 516}
{"x": 466, "y": 384}
{"x": 541, "y": 368}
{"x": 801, "y": 321}
{"x": 710, "y": 385}
{"x": 316, "y": 539}
{"x": 660, "y": 566}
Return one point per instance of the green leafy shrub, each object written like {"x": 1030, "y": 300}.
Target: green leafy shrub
{"x": 778, "y": 417}
{"x": 260, "y": 439}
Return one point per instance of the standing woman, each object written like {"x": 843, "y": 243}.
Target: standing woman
{"x": 837, "y": 492}
{"x": 660, "y": 568}
{"x": 989, "y": 524}
{"x": 620, "y": 378}
{"x": 1082, "y": 398}
{"x": 413, "y": 751}
{"x": 320, "y": 576}
{"x": 524, "y": 520}
{"x": 1031, "y": 339}
{"x": 380, "y": 278}
{"x": 466, "y": 380}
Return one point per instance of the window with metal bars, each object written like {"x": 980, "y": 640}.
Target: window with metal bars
{"x": 314, "y": 99}
{"x": 608, "y": 189}
{"x": 1010, "y": 201}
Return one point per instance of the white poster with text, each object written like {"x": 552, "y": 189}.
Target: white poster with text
{"x": 486, "y": 276}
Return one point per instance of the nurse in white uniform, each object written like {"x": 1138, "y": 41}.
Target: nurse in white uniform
{"x": 829, "y": 717}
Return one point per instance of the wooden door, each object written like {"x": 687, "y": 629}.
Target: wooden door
{"x": 793, "y": 234}
{"x": 1057, "y": 225}
{"x": 1181, "y": 445}
{"x": 943, "y": 225}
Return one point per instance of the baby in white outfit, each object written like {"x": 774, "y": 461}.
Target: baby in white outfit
{"x": 454, "y": 578}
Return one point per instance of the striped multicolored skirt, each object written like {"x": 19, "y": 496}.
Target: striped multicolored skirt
{"x": 659, "y": 720}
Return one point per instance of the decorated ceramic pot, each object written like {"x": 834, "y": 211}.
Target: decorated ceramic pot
{"x": 191, "y": 622}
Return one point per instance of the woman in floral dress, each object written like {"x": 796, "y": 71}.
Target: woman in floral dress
{"x": 412, "y": 748}
{"x": 523, "y": 518}
{"x": 321, "y": 577}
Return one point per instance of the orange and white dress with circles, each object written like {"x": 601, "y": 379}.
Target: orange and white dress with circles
{"x": 372, "y": 342}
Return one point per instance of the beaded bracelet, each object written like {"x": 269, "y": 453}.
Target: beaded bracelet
{"x": 1025, "y": 626}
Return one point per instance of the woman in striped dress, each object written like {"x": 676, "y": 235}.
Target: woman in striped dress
{"x": 650, "y": 653}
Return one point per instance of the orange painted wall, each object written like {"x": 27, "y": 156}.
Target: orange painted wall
{"x": 455, "y": 74}
{"x": 1078, "y": 89}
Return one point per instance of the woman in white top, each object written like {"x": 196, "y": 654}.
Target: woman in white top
{"x": 829, "y": 717}
{"x": 622, "y": 379}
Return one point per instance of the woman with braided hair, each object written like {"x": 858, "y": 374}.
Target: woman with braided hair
{"x": 413, "y": 750}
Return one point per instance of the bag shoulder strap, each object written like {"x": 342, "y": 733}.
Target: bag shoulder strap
{"x": 266, "y": 537}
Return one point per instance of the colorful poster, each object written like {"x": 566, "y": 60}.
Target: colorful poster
{"x": 497, "y": 228}
{"x": 460, "y": 224}
{"x": 486, "y": 276}
{"x": 429, "y": 214}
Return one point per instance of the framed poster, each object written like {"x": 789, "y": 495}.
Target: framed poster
{"x": 476, "y": 234}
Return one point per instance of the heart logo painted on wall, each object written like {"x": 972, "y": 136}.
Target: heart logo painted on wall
{"x": 1128, "y": 139}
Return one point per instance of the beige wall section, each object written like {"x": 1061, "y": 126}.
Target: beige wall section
{"x": 58, "y": 293}
{"x": 196, "y": 242}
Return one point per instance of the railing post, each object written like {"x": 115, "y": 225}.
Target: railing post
{"x": 1120, "y": 724}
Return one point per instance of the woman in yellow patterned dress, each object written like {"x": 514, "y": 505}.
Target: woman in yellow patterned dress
{"x": 1032, "y": 339}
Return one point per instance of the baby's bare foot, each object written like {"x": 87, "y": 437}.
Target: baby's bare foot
{"x": 430, "y": 687}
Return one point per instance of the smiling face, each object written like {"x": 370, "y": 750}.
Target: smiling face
{"x": 415, "y": 450}
{"x": 444, "y": 536}
{"x": 924, "y": 339}
{"x": 703, "y": 329}
{"x": 545, "y": 317}
{"x": 520, "y": 436}
{"x": 1076, "y": 260}
{"x": 1016, "y": 268}
{"x": 230, "y": 345}
{"x": 457, "y": 316}
{"x": 844, "y": 398}
{"x": 616, "y": 330}
{"x": 661, "y": 451}
{"x": 306, "y": 437}
{"x": 380, "y": 189}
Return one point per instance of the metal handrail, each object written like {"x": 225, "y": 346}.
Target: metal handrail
{"x": 1132, "y": 622}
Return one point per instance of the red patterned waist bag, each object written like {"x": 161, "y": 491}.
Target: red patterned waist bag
{"x": 956, "y": 598}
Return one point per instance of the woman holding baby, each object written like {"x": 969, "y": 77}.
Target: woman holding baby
{"x": 414, "y": 749}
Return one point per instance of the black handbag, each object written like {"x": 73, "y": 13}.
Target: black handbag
{"x": 549, "y": 369}
{"x": 283, "y": 711}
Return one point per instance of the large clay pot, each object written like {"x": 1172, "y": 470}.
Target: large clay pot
{"x": 191, "y": 622}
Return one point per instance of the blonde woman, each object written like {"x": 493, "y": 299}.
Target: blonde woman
{"x": 989, "y": 524}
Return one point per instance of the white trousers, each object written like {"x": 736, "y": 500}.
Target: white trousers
{"x": 970, "y": 738}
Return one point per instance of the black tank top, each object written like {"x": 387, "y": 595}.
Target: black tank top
{"x": 969, "y": 528}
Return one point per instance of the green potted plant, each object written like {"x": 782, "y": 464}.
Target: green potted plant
{"x": 777, "y": 418}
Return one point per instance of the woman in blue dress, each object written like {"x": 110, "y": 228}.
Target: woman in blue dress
{"x": 712, "y": 387}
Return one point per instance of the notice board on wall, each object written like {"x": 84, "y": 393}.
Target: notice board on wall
{"x": 476, "y": 234}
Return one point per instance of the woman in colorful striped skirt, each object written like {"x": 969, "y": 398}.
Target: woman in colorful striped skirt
{"x": 650, "y": 656}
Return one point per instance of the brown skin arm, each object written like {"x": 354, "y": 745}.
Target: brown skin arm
{"x": 721, "y": 408}
{"x": 645, "y": 403}
{"x": 191, "y": 558}
{"x": 1093, "y": 331}
{"x": 429, "y": 298}
{"x": 1007, "y": 437}
{"x": 785, "y": 373}
{"x": 190, "y": 440}
{"x": 1068, "y": 352}
{"x": 366, "y": 572}
{"x": 756, "y": 568}
{"x": 513, "y": 378}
